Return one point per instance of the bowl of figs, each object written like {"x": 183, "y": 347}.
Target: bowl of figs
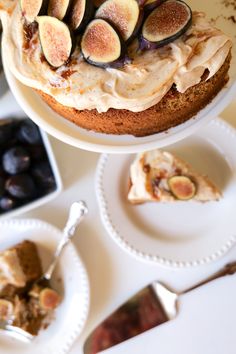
{"x": 29, "y": 176}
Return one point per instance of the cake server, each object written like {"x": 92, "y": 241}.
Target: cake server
{"x": 152, "y": 306}
{"x": 76, "y": 214}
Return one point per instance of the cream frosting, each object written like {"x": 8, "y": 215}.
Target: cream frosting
{"x": 10, "y": 270}
{"x": 158, "y": 162}
{"x": 136, "y": 87}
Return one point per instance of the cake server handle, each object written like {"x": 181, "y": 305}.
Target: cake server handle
{"x": 77, "y": 212}
{"x": 229, "y": 269}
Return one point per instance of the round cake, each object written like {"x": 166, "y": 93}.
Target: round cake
{"x": 157, "y": 87}
{"x": 173, "y": 109}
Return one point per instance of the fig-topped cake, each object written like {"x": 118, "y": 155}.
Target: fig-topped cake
{"x": 116, "y": 66}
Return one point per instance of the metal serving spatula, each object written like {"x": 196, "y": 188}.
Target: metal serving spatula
{"x": 150, "y": 307}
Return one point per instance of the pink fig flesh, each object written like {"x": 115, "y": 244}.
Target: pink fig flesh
{"x": 101, "y": 44}
{"x": 49, "y": 299}
{"x": 58, "y": 8}
{"x": 182, "y": 187}
{"x": 55, "y": 39}
{"x": 124, "y": 15}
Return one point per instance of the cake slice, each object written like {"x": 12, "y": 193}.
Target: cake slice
{"x": 27, "y": 303}
{"x": 160, "y": 176}
{"x": 19, "y": 266}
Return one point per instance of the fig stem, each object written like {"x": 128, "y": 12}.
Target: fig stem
{"x": 77, "y": 212}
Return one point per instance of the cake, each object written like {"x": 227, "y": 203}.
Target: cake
{"x": 25, "y": 303}
{"x": 160, "y": 176}
{"x": 155, "y": 86}
{"x": 19, "y": 267}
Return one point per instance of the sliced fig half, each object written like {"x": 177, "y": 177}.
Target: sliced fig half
{"x": 165, "y": 24}
{"x": 81, "y": 13}
{"x": 58, "y": 8}
{"x": 55, "y": 39}
{"x": 49, "y": 299}
{"x": 125, "y": 15}
{"x": 32, "y": 8}
{"x": 102, "y": 45}
{"x": 182, "y": 187}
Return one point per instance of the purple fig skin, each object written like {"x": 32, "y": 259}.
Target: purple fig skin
{"x": 145, "y": 44}
{"x": 86, "y": 16}
{"x": 117, "y": 64}
{"x": 137, "y": 27}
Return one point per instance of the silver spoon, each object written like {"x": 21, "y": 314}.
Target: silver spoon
{"x": 76, "y": 214}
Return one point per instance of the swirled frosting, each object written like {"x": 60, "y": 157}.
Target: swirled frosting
{"x": 136, "y": 87}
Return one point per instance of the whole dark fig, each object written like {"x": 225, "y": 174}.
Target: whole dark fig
{"x": 28, "y": 132}
{"x": 16, "y": 160}
{"x": 37, "y": 152}
{"x": 8, "y": 203}
{"x": 21, "y": 186}
{"x": 43, "y": 175}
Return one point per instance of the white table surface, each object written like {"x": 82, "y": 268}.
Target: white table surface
{"x": 206, "y": 321}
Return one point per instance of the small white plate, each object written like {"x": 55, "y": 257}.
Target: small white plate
{"x": 70, "y": 279}
{"x": 69, "y": 133}
{"x": 177, "y": 234}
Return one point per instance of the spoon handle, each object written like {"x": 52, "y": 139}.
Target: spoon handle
{"x": 229, "y": 269}
{"x": 76, "y": 214}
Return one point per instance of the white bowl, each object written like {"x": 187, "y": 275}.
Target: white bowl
{"x": 69, "y": 133}
{"x": 9, "y": 109}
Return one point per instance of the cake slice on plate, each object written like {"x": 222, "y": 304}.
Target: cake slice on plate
{"x": 19, "y": 266}
{"x": 160, "y": 176}
{"x": 28, "y": 305}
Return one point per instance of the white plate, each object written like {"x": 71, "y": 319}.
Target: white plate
{"x": 70, "y": 279}
{"x": 67, "y": 132}
{"x": 178, "y": 234}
